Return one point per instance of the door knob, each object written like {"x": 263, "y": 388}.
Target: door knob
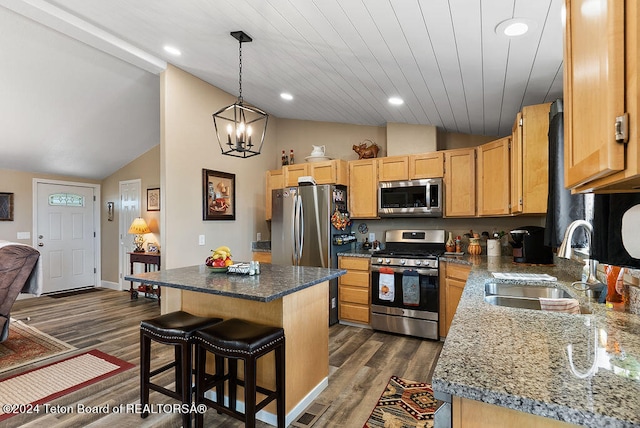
{"x": 40, "y": 236}
{"x": 40, "y": 244}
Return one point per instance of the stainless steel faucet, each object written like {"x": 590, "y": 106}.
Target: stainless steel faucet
{"x": 565, "y": 251}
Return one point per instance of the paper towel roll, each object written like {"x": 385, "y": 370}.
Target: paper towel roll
{"x": 493, "y": 247}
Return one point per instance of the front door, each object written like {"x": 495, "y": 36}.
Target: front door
{"x": 65, "y": 234}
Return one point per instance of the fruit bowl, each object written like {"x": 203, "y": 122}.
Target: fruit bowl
{"x": 217, "y": 269}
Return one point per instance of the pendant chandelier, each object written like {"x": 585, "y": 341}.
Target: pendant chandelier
{"x": 240, "y": 127}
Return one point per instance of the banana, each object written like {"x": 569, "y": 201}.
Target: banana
{"x": 224, "y": 248}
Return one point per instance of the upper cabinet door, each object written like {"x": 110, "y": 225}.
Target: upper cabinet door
{"x": 594, "y": 89}
{"x": 460, "y": 182}
{"x": 426, "y": 165}
{"x": 493, "y": 166}
{"x": 393, "y": 168}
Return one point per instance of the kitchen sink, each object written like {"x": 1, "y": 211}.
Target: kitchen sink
{"x": 524, "y": 291}
{"x": 523, "y": 296}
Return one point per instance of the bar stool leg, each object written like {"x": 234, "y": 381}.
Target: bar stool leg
{"x": 201, "y": 362}
{"x": 280, "y": 386}
{"x": 233, "y": 383}
{"x": 145, "y": 363}
{"x": 220, "y": 386}
{"x": 186, "y": 379}
{"x": 250, "y": 392}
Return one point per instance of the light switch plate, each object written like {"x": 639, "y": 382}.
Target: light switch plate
{"x": 24, "y": 235}
{"x": 372, "y": 237}
{"x": 201, "y": 240}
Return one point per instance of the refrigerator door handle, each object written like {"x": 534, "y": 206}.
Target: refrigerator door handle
{"x": 294, "y": 232}
{"x": 301, "y": 228}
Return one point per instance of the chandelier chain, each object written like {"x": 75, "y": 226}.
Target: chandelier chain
{"x": 240, "y": 73}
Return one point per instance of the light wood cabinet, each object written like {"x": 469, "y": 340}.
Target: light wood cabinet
{"x": 517, "y": 198}
{"x": 293, "y": 172}
{"x": 530, "y": 160}
{"x": 274, "y": 180}
{"x": 354, "y": 300}
{"x": 426, "y": 165}
{"x": 607, "y": 45}
{"x": 453, "y": 277}
{"x": 460, "y": 182}
{"x": 493, "y": 189}
{"x": 363, "y": 188}
{"x": 393, "y": 168}
{"x": 261, "y": 256}
{"x": 476, "y": 414}
{"x": 329, "y": 172}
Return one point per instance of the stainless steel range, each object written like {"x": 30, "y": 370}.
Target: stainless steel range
{"x": 405, "y": 283}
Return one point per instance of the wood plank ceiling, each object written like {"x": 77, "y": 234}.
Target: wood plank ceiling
{"x": 342, "y": 60}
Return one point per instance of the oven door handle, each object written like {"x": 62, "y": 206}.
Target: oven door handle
{"x": 395, "y": 269}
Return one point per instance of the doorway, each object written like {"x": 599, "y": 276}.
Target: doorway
{"x": 67, "y": 233}
{"x": 129, "y": 209}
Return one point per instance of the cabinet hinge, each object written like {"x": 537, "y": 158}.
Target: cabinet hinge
{"x": 520, "y": 122}
{"x": 622, "y": 128}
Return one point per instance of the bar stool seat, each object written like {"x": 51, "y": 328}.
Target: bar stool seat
{"x": 235, "y": 340}
{"x": 175, "y": 329}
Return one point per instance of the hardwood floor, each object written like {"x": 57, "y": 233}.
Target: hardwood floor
{"x": 361, "y": 362}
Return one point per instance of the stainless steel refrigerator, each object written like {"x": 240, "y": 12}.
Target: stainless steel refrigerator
{"x": 303, "y": 231}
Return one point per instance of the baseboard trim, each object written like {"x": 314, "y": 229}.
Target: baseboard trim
{"x": 109, "y": 284}
{"x": 270, "y": 418}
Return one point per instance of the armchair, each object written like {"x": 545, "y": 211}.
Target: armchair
{"x": 17, "y": 273}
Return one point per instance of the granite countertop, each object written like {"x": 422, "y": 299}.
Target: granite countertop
{"x": 274, "y": 281}
{"x": 356, "y": 253}
{"x": 518, "y": 358}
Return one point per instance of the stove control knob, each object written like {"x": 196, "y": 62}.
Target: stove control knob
{"x": 387, "y": 261}
{"x": 402, "y": 261}
{"x": 379, "y": 260}
{"x": 418, "y": 262}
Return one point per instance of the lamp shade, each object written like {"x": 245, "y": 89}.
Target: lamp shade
{"x": 139, "y": 226}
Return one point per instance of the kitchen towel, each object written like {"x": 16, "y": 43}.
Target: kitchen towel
{"x": 410, "y": 288}
{"x": 570, "y": 306}
{"x": 386, "y": 284}
{"x": 616, "y": 218}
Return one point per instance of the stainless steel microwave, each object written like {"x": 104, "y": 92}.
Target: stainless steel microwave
{"x": 413, "y": 198}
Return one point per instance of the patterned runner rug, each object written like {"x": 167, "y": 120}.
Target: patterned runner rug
{"x": 404, "y": 404}
{"x": 26, "y": 345}
{"x": 54, "y": 380}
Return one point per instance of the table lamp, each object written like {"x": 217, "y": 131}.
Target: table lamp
{"x": 139, "y": 227}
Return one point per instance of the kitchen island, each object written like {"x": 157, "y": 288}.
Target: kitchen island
{"x": 506, "y": 366}
{"x": 293, "y": 297}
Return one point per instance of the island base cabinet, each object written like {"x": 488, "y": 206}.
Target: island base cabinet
{"x": 468, "y": 413}
{"x": 305, "y": 320}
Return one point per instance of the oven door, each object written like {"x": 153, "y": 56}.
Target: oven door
{"x": 398, "y": 290}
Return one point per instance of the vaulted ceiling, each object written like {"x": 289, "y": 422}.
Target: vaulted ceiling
{"x": 80, "y": 86}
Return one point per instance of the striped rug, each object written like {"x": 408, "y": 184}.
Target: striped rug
{"x": 54, "y": 380}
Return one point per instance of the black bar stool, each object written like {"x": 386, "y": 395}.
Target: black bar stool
{"x": 235, "y": 340}
{"x": 176, "y": 329}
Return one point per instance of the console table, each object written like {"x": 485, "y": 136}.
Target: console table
{"x": 148, "y": 259}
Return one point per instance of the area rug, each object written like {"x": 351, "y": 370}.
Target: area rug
{"x": 43, "y": 384}
{"x": 26, "y": 345}
{"x": 404, "y": 404}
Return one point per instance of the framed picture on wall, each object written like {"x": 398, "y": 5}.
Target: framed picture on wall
{"x": 153, "y": 199}
{"x": 6, "y": 206}
{"x": 218, "y": 195}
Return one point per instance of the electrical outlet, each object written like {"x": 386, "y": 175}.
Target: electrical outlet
{"x": 201, "y": 240}
{"x": 372, "y": 237}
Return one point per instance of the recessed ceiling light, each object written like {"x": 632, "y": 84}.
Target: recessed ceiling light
{"x": 286, "y": 96}
{"x": 396, "y": 101}
{"x": 173, "y": 51}
{"x": 515, "y": 27}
